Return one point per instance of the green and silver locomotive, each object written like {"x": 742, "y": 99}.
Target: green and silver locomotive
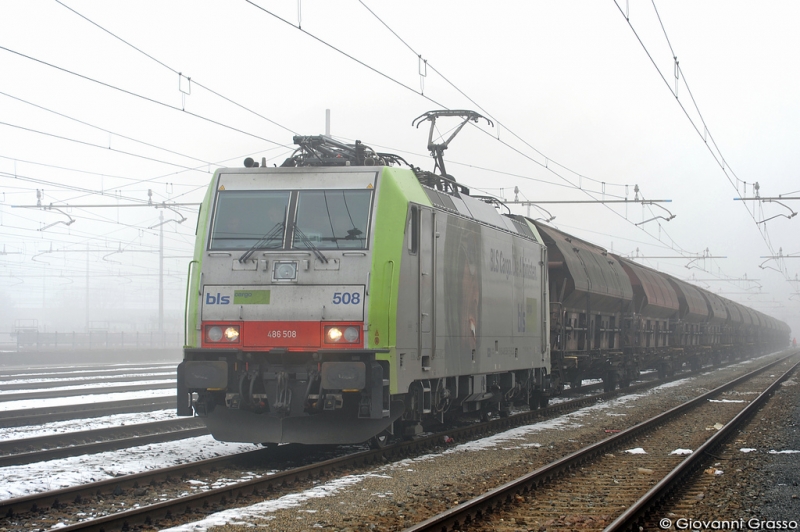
{"x": 340, "y": 298}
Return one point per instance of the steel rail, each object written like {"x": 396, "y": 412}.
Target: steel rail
{"x": 634, "y": 516}
{"x": 78, "y": 372}
{"x": 85, "y": 391}
{"x": 478, "y": 506}
{"x": 53, "y": 383}
{"x": 54, "y": 498}
{"x": 38, "y": 416}
{"x": 100, "y": 440}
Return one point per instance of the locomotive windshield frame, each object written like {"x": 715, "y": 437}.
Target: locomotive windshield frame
{"x": 280, "y": 220}
{"x": 242, "y": 218}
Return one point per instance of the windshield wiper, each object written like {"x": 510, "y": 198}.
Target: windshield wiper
{"x": 276, "y": 230}
{"x": 353, "y": 234}
{"x": 310, "y": 245}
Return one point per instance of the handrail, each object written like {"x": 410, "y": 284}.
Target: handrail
{"x": 186, "y": 301}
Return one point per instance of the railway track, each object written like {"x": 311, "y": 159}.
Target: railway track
{"x": 10, "y": 384}
{"x": 62, "y": 445}
{"x": 39, "y": 416}
{"x": 65, "y": 372}
{"x": 50, "y": 394}
{"x": 70, "y": 502}
{"x": 611, "y": 485}
{"x": 13, "y": 382}
{"x": 78, "y": 443}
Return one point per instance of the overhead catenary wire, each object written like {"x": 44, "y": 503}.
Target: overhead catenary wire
{"x": 126, "y": 137}
{"x": 705, "y": 134}
{"x": 174, "y": 71}
{"x": 482, "y": 168}
{"x": 142, "y": 97}
{"x": 199, "y": 187}
{"x": 420, "y": 93}
{"x": 499, "y": 123}
{"x": 93, "y": 145}
{"x": 545, "y": 165}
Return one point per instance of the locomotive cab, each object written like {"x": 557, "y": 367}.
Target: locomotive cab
{"x": 279, "y": 322}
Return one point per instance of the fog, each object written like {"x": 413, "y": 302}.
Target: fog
{"x": 113, "y": 117}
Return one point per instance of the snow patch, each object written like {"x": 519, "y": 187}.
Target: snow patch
{"x": 38, "y": 477}
{"x": 89, "y": 386}
{"x": 681, "y": 452}
{"x": 66, "y": 427}
{"x": 240, "y": 516}
{"x": 25, "y": 404}
{"x": 637, "y": 450}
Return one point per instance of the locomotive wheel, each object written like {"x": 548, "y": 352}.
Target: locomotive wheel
{"x": 610, "y": 382}
{"x": 380, "y": 440}
{"x": 544, "y": 401}
{"x": 538, "y": 400}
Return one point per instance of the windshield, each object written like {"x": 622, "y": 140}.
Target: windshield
{"x": 332, "y": 219}
{"x": 244, "y": 218}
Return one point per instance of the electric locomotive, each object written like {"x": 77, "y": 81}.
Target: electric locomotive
{"x": 340, "y": 298}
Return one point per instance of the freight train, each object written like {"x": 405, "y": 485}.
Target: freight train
{"x": 341, "y": 298}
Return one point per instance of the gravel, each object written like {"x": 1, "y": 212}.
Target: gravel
{"x": 761, "y": 468}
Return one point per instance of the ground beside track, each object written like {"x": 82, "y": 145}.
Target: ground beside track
{"x": 10, "y": 360}
{"x": 16, "y": 481}
{"x": 760, "y": 469}
{"x": 400, "y": 494}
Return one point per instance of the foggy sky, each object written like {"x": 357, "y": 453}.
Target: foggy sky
{"x": 579, "y": 109}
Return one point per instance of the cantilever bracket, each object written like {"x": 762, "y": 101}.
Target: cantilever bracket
{"x": 165, "y": 206}
{"x": 788, "y": 216}
{"x": 658, "y": 217}
{"x": 105, "y": 257}
{"x": 550, "y": 217}
{"x": 42, "y": 253}
{"x": 50, "y": 207}
{"x": 654, "y": 204}
{"x": 670, "y": 217}
{"x": 777, "y": 257}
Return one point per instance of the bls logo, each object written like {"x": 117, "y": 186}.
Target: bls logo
{"x": 219, "y": 299}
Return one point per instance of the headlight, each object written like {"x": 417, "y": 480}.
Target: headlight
{"x": 334, "y": 334}
{"x": 351, "y": 335}
{"x": 216, "y": 333}
{"x": 341, "y": 335}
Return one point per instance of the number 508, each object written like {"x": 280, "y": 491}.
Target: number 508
{"x": 346, "y": 298}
